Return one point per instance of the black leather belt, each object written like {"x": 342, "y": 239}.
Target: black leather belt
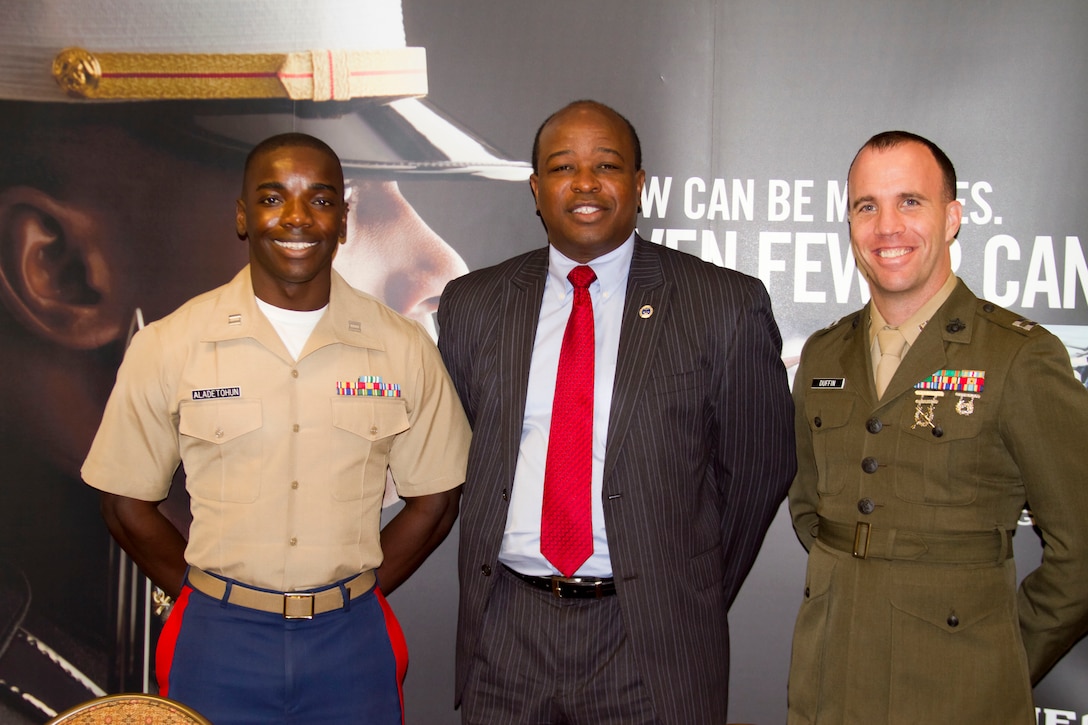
{"x": 569, "y": 587}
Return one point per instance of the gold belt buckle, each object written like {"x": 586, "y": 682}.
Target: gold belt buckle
{"x": 298, "y": 605}
{"x": 861, "y": 540}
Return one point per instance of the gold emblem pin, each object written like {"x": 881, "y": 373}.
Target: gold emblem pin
{"x": 645, "y": 312}
{"x": 77, "y": 71}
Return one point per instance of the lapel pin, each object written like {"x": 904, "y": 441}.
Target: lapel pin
{"x": 645, "y": 311}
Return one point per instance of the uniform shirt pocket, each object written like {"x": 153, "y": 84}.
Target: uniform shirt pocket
{"x": 935, "y": 463}
{"x": 828, "y": 415}
{"x": 363, "y": 433}
{"x": 222, "y": 448}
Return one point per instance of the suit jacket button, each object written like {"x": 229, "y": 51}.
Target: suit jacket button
{"x": 866, "y": 506}
{"x": 953, "y": 620}
{"x": 869, "y": 465}
{"x": 817, "y": 422}
{"x": 938, "y": 431}
{"x": 806, "y": 592}
{"x": 505, "y": 495}
{"x": 486, "y": 569}
{"x": 874, "y": 426}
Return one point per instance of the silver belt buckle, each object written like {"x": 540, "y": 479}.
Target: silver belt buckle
{"x": 298, "y": 605}
{"x": 575, "y": 580}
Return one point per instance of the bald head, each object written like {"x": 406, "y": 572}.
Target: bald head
{"x": 586, "y": 103}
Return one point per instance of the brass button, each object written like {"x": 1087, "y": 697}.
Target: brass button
{"x": 874, "y": 426}
{"x": 294, "y": 484}
{"x": 866, "y": 506}
{"x": 293, "y": 541}
{"x": 294, "y": 373}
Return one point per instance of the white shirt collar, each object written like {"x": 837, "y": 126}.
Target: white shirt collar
{"x": 611, "y": 269}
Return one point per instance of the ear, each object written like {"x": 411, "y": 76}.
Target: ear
{"x": 54, "y": 278}
{"x": 533, "y": 180}
{"x": 343, "y": 236}
{"x": 953, "y": 219}
{"x": 240, "y": 220}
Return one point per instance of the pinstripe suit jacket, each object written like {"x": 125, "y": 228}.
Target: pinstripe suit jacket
{"x": 699, "y": 454}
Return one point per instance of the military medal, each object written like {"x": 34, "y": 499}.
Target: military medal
{"x": 925, "y": 407}
{"x": 966, "y": 404}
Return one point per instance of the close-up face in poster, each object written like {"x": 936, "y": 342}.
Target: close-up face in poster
{"x": 124, "y": 132}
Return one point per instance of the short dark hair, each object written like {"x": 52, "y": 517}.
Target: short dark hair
{"x": 890, "y": 139}
{"x": 607, "y": 109}
{"x": 292, "y": 139}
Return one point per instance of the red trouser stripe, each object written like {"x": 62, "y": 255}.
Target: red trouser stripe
{"x": 399, "y": 645}
{"x": 168, "y": 639}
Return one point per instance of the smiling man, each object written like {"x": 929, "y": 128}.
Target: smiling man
{"x": 286, "y": 395}
{"x": 924, "y": 424}
{"x": 631, "y": 443}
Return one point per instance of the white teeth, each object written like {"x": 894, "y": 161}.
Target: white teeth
{"x": 891, "y": 253}
{"x": 585, "y": 210}
{"x": 295, "y": 246}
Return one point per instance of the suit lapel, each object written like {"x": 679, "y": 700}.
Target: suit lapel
{"x": 520, "y": 308}
{"x": 646, "y": 286}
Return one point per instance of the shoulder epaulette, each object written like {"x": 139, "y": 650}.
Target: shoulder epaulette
{"x": 853, "y": 319}
{"x": 1006, "y": 318}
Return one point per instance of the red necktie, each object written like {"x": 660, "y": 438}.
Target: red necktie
{"x": 566, "y": 521}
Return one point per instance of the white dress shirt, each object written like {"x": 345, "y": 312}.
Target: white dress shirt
{"x": 521, "y": 539}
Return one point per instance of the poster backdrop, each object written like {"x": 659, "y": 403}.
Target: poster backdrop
{"x": 749, "y": 113}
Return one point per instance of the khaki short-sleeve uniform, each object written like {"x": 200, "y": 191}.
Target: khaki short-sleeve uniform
{"x": 284, "y": 467}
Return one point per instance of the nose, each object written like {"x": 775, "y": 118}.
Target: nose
{"x": 888, "y": 221}
{"x": 585, "y": 179}
{"x": 393, "y": 254}
{"x": 296, "y": 213}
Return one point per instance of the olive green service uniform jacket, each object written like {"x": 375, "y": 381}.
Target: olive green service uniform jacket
{"x": 911, "y": 612}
